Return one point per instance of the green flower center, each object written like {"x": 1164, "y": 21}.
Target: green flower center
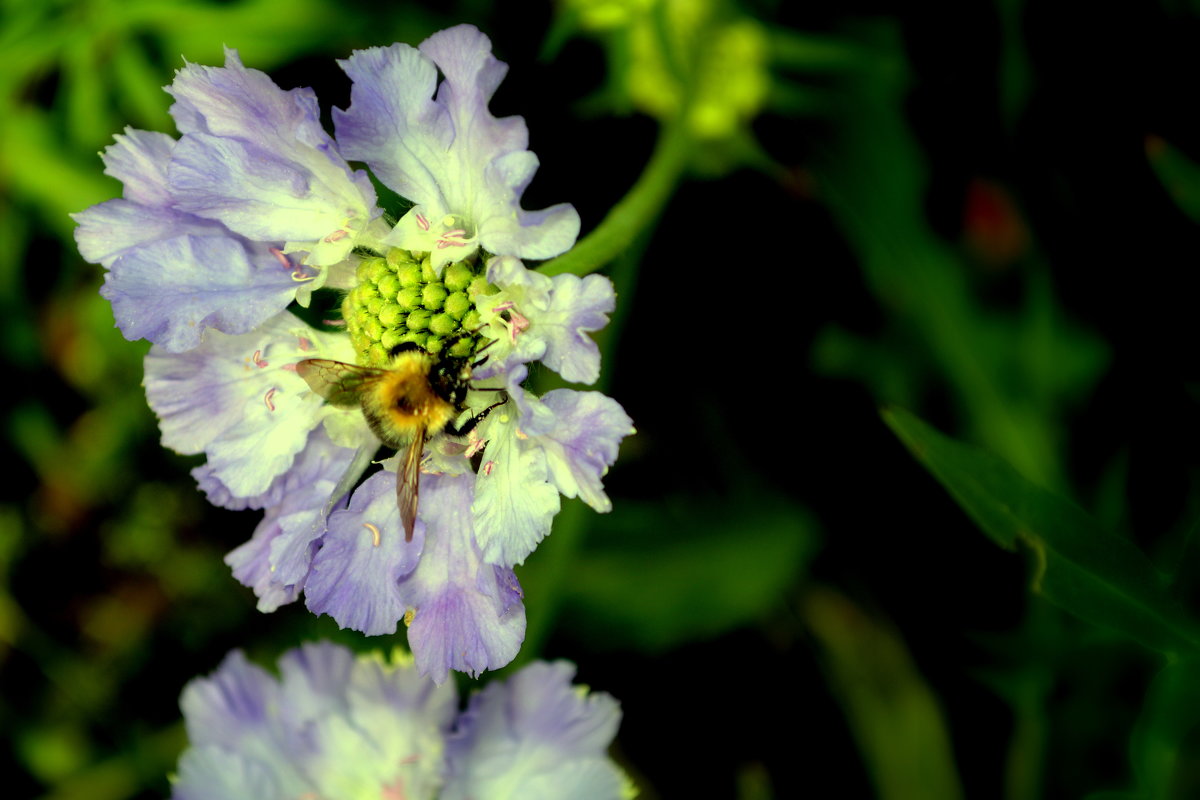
{"x": 399, "y": 299}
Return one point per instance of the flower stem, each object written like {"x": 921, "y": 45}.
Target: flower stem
{"x": 634, "y": 212}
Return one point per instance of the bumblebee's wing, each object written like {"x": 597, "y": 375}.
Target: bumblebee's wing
{"x": 339, "y": 383}
{"x": 408, "y": 477}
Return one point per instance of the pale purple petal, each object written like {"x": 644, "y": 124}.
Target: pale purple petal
{"x": 535, "y": 736}
{"x": 534, "y": 316}
{"x": 336, "y": 726}
{"x": 239, "y": 399}
{"x": 117, "y": 227}
{"x": 315, "y": 677}
{"x": 310, "y": 485}
{"x": 577, "y": 306}
{"x": 172, "y": 291}
{"x": 251, "y": 566}
{"x": 256, "y": 158}
{"x": 232, "y": 704}
{"x": 447, "y": 153}
{"x": 354, "y": 575}
{"x": 276, "y": 560}
{"x": 218, "y": 493}
{"x": 515, "y": 502}
{"x": 583, "y": 443}
{"x": 139, "y": 160}
{"x": 241, "y": 103}
{"x": 165, "y": 284}
{"x": 393, "y": 125}
{"x": 469, "y": 615}
{"x": 212, "y": 772}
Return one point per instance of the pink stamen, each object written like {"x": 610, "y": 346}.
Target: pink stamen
{"x": 267, "y": 399}
{"x": 516, "y": 322}
{"x": 258, "y": 359}
{"x": 280, "y": 257}
{"x": 299, "y": 276}
{"x": 488, "y": 467}
{"x": 519, "y": 324}
{"x": 289, "y": 367}
{"x": 422, "y": 223}
{"x": 474, "y": 444}
{"x": 337, "y": 323}
{"x": 305, "y": 344}
{"x": 337, "y": 235}
{"x": 452, "y": 238}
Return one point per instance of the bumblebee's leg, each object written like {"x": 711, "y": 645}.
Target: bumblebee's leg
{"x": 483, "y": 360}
{"x": 404, "y": 347}
{"x": 469, "y": 425}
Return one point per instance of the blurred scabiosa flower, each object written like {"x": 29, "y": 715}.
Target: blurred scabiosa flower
{"x": 339, "y": 727}
{"x": 222, "y": 231}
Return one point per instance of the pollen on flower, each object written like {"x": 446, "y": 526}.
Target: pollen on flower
{"x": 267, "y": 398}
{"x": 408, "y": 616}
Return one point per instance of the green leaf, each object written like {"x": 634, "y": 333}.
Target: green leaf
{"x": 891, "y": 710}
{"x": 671, "y": 574}
{"x": 1165, "y": 748}
{"x": 1179, "y": 175}
{"x": 1086, "y": 570}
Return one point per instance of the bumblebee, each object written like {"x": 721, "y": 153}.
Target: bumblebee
{"x": 416, "y": 397}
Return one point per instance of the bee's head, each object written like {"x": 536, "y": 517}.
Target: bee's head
{"x": 450, "y": 377}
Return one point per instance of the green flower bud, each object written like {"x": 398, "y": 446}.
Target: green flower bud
{"x": 388, "y": 286}
{"x": 457, "y": 276}
{"x": 409, "y": 297}
{"x": 443, "y": 325}
{"x": 372, "y": 328}
{"x": 418, "y": 320}
{"x": 376, "y": 269}
{"x": 409, "y": 274}
{"x": 458, "y": 304}
{"x": 397, "y": 259}
{"x": 392, "y": 314}
{"x": 433, "y": 296}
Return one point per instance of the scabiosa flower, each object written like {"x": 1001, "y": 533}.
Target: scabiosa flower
{"x": 338, "y": 727}
{"x": 205, "y": 253}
